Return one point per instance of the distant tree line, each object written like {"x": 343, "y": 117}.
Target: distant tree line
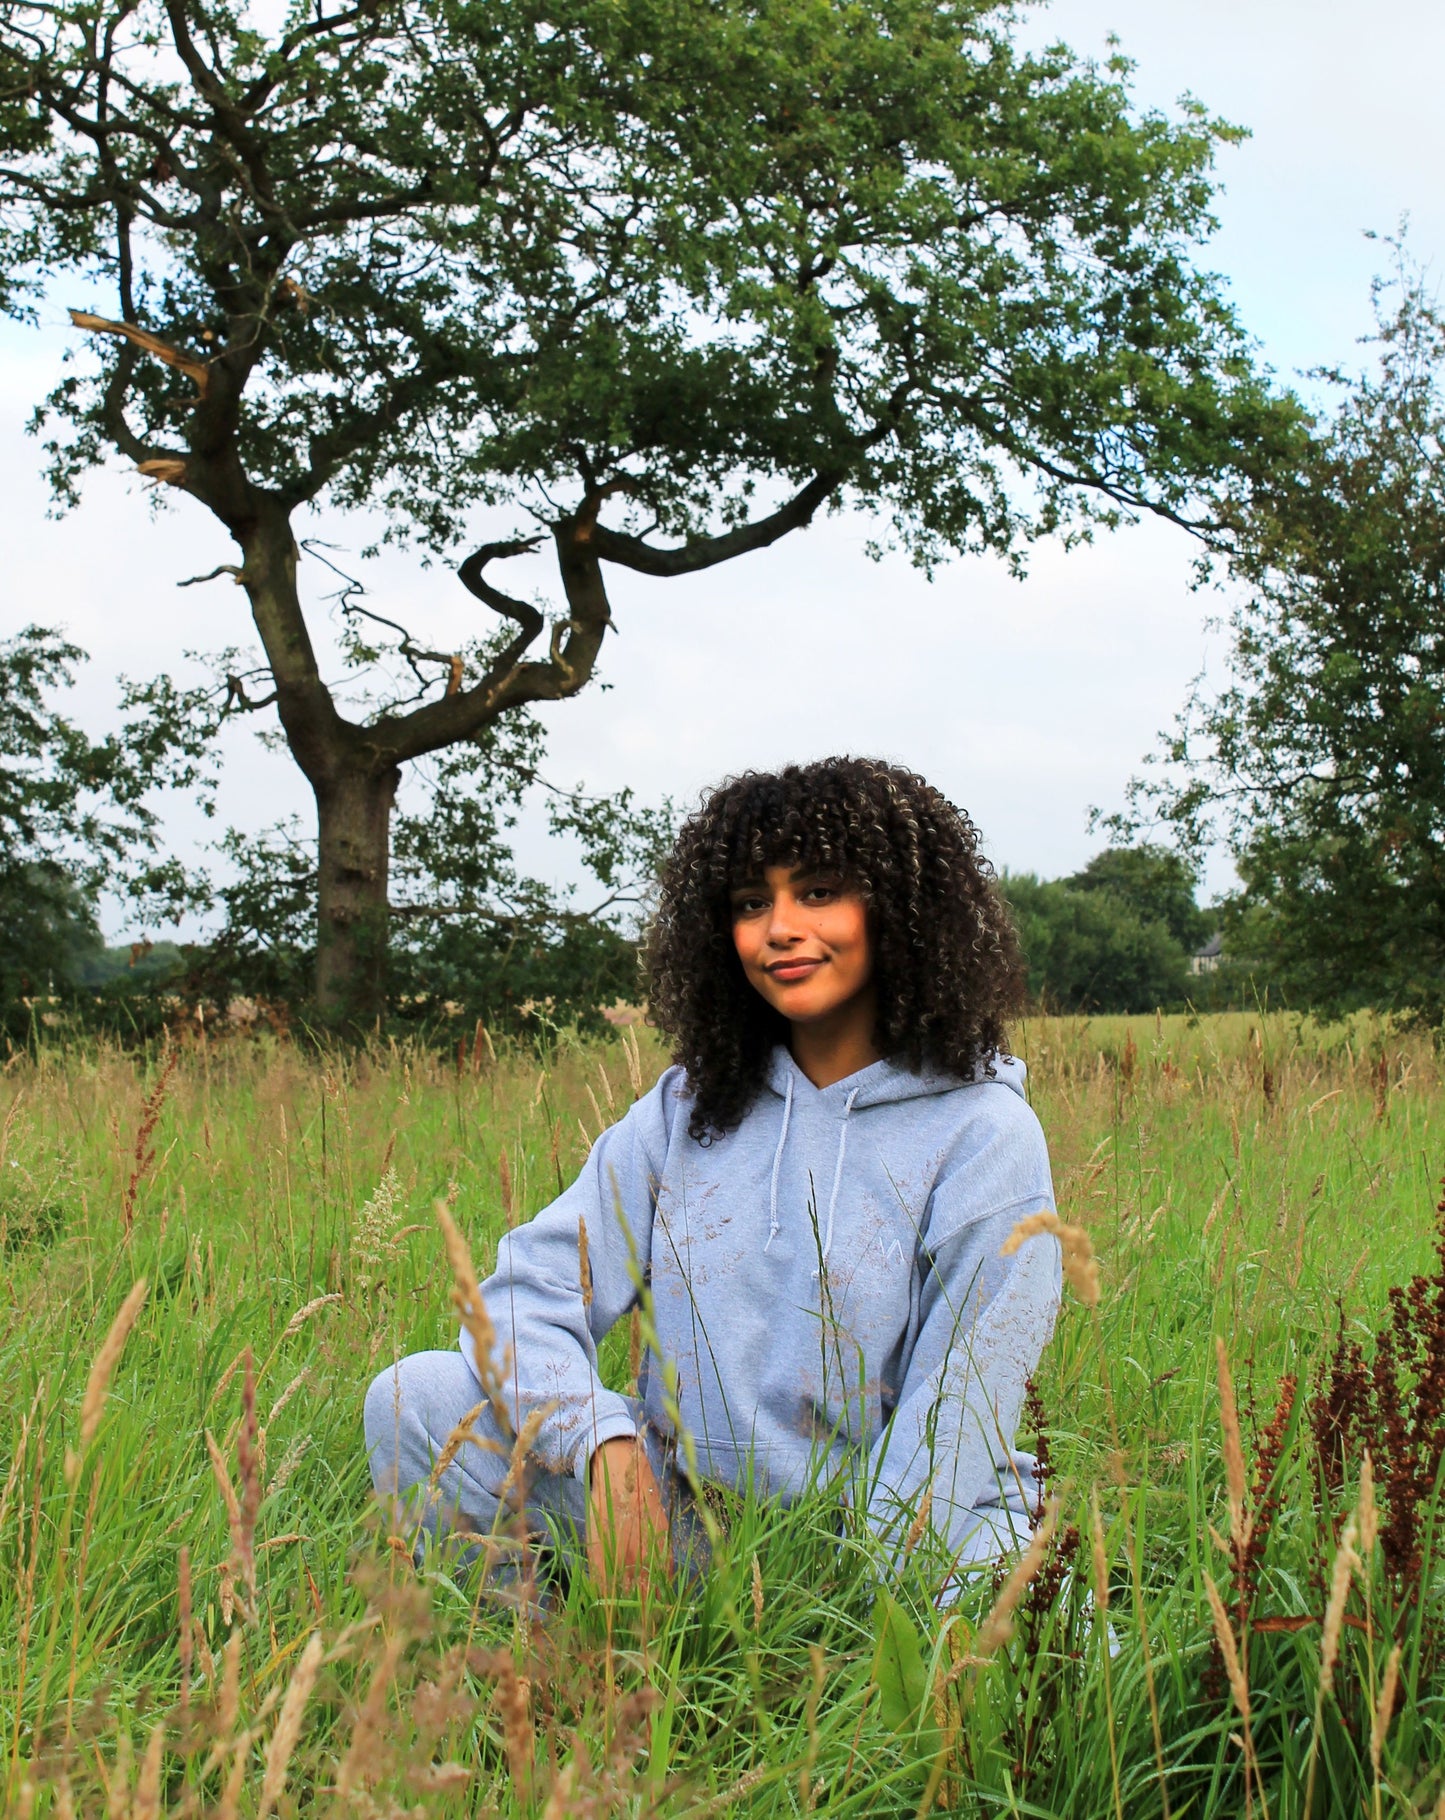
{"x": 1120, "y": 935}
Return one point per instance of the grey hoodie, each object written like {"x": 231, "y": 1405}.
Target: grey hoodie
{"x": 826, "y": 1280}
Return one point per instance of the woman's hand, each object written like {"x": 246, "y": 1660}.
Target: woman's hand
{"x": 627, "y": 1536}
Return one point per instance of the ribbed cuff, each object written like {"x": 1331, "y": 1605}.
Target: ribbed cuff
{"x": 608, "y": 1428}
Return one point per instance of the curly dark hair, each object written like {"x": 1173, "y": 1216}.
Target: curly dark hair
{"x": 946, "y": 960}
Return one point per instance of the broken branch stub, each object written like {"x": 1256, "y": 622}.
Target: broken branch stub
{"x": 198, "y": 370}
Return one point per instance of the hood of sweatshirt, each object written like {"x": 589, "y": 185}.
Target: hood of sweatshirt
{"x": 884, "y": 1083}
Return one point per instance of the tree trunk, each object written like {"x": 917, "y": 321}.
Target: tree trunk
{"x": 354, "y": 815}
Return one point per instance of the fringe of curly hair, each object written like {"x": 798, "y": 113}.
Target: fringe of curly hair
{"x": 947, "y": 965}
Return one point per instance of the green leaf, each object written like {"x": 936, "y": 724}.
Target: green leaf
{"x": 900, "y": 1673}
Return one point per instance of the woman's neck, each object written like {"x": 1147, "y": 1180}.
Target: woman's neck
{"x": 830, "y": 1048}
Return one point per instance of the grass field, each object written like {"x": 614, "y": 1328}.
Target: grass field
{"x": 200, "y": 1611}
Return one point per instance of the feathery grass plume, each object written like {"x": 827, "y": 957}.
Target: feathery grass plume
{"x": 1346, "y": 1562}
{"x": 559, "y": 1802}
{"x": 1224, "y": 1636}
{"x": 290, "y": 1460}
{"x": 633, "y": 1054}
{"x": 453, "y": 1445}
{"x": 374, "y": 1235}
{"x": 145, "y": 1154}
{"x": 584, "y": 1262}
{"x": 1366, "y": 1509}
{"x": 1081, "y": 1267}
{"x": 303, "y": 1315}
{"x": 757, "y": 1595}
{"x": 230, "y": 1705}
{"x": 147, "y": 1802}
{"x": 229, "y": 1805}
{"x": 997, "y": 1627}
{"x": 514, "y": 1699}
{"x": 365, "y": 1747}
{"x": 289, "y": 1392}
{"x": 920, "y": 1520}
{"x": 288, "y": 1725}
{"x": 521, "y": 1447}
{"x": 1384, "y": 1709}
{"x": 1101, "y": 1554}
{"x": 467, "y": 1299}
{"x": 504, "y": 1179}
{"x": 1234, "y": 1470}
{"x": 806, "y": 1792}
{"x": 97, "y": 1385}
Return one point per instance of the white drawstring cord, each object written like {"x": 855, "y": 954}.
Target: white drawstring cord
{"x": 778, "y": 1162}
{"x": 837, "y": 1179}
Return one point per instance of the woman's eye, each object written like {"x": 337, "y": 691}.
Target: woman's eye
{"x": 749, "y": 906}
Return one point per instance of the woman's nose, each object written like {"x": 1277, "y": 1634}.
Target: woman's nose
{"x": 783, "y": 922}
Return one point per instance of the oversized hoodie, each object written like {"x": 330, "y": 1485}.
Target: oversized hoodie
{"x": 826, "y": 1279}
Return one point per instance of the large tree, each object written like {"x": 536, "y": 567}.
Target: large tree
{"x": 1322, "y": 760}
{"x": 661, "y": 280}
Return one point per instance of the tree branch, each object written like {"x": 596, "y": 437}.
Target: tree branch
{"x": 706, "y": 552}
{"x": 198, "y": 370}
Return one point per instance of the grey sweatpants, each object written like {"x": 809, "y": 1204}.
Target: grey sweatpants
{"x": 414, "y": 1405}
{"x": 411, "y": 1409}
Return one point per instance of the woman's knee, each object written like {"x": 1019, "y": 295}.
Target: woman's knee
{"x": 409, "y": 1411}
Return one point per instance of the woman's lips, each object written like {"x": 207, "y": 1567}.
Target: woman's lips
{"x": 794, "y": 970}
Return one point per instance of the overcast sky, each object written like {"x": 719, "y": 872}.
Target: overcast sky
{"x": 1026, "y": 702}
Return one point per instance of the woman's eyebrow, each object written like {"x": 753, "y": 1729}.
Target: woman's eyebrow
{"x": 796, "y": 876}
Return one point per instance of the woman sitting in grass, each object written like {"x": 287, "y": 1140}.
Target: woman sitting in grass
{"x": 812, "y": 1200}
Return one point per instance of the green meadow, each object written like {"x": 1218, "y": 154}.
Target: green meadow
{"x": 1235, "y": 1605}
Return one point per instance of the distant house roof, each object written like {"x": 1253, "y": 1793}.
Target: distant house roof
{"x": 1211, "y": 950}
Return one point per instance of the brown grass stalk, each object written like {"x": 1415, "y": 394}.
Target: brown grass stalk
{"x": 452, "y": 1446}
{"x": 1235, "y": 1477}
{"x": 807, "y": 1794}
{"x": 144, "y": 1155}
{"x": 521, "y": 1447}
{"x": 97, "y": 1385}
{"x": 303, "y": 1315}
{"x": 920, "y": 1522}
{"x": 1384, "y": 1710}
{"x": 147, "y": 1802}
{"x": 1347, "y": 1561}
{"x": 1081, "y": 1267}
{"x": 997, "y": 1627}
{"x": 364, "y": 1748}
{"x": 514, "y": 1700}
{"x": 287, "y": 1731}
{"x": 467, "y": 1299}
{"x": 1239, "y": 1688}
{"x": 584, "y": 1262}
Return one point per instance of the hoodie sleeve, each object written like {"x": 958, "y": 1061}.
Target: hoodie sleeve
{"x": 983, "y": 1321}
{"x": 546, "y": 1336}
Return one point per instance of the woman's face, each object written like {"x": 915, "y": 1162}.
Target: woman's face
{"x": 802, "y": 938}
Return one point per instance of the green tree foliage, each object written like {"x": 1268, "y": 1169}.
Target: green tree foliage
{"x": 1323, "y": 761}
{"x": 653, "y": 283}
{"x": 1116, "y": 936}
{"x": 75, "y": 813}
{"x": 1158, "y": 883}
